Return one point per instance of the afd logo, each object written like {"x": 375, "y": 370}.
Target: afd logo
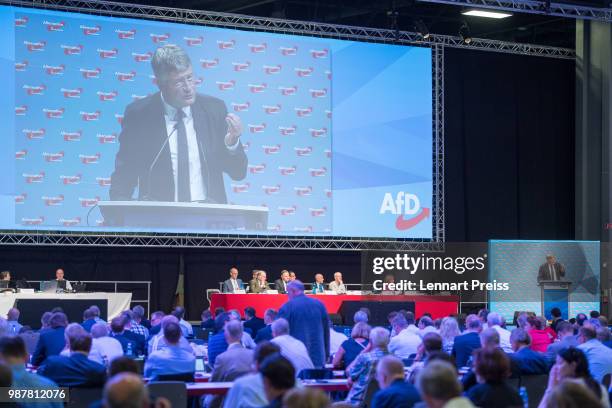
{"x": 404, "y": 204}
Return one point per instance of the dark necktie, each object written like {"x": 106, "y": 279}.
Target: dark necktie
{"x": 182, "y": 168}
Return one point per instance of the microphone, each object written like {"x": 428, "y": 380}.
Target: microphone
{"x": 154, "y": 162}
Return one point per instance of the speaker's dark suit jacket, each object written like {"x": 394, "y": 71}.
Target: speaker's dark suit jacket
{"x": 142, "y": 136}
{"x": 544, "y": 272}
{"x": 74, "y": 371}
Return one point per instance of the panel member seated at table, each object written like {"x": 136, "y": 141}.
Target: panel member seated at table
{"x": 61, "y": 282}
{"x": 254, "y": 278}
{"x": 292, "y": 276}
{"x": 318, "y": 286}
{"x": 5, "y": 280}
{"x": 260, "y": 285}
{"x": 233, "y": 283}
{"x": 337, "y": 285}
{"x": 281, "y": 284}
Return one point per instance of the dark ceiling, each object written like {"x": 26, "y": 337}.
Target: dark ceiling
{"x": 401, "y": 14}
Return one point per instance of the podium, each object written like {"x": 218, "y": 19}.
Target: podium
{"x": 555, "y": 294}
{"x": 184, "y": 216}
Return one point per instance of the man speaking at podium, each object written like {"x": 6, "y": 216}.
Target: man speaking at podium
{"x": 551, "y": 270}
{"x": 176, "y": 144}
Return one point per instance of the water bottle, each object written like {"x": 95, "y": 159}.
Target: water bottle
{"x": 524, "y": 397}
{"x": 129, "y": 352}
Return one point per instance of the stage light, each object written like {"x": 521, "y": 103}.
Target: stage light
{"x": 465, "y": 34}
{"x": 422, "y": 29}
{"x": 487, "y": 14}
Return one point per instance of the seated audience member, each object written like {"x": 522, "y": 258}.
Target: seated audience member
{"x": 572, "y": 364}
{"x": 247, "y": 341}
{"x": 208, "y": 323}
{"x": 156, "y": 319}
{"x": 130, "y": 342}
{"x": 335, "y": 339}
{"x": 252, "y": 322}
{"x": 540, "y": 338}
{"x": 439, "y": 387}
{"x": 234, "y": 362}
{"x": 76, "y": 370}
{"x": 570, "y": 394}
{"x": 30, "y": 338}
{"x": 248, "y": 391}
{"x": 13, "y": 354}
{"x": 405, "y": 342}
{"x": 555, "y": 312}
{"x": 281, "y": 284}
{"x": 361, "y": 370}
{"x": 489, "y": 339}
{"x": 259, "y": 284}
{"x": 360, "y": 316}
{"x": 12, "y": 318}
{"x": 432, "y": 343}
{"x": 172, "y": 359}
{"x": 495, "y": 321}
{"x": 426, "y": 325}
{"x": 72, "y": 330}
{"x": 51, "y": 342}
{"x": 566, "y": 338}
{"x": 138, "y": 319}
{"x": 449, "y": 329}
{"x": 88, "y": 319}
{"x": 350, "y": 349}
{"x": 217, "y": 343}
{"x": 158, "y": 341}
{"x": 306, "y": 398}
{"x": 394, "y": 390}
{"x": 598, "y": 355}
{"x": 44, "y": 321}
{"x": 604, "y": 335}
{"x": 96, "y": 310}
{"x": 337, "y": 285}
{"x": 525, "y": 360}
{"x": 278, "y": 378}
{"x": 186, "y": 328}
{"x": 469, "y": 341}
{"x": 318, "y": 286}
{"x": 290, "y": 347}
{"x": 233, "y": 283}
{"x": 127, "y": 390}
{"x": 492, "y": 368}
{"x": 104, "y": 348}
{"x": 6, "y": 380}
{"x": 122, "y": 364}
{"x": 265, "y": 334}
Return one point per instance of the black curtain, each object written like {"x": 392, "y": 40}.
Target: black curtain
{"x": 509, "y": 146}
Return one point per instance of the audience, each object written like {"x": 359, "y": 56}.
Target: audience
{"x": 51, "y": 341}
{"x": 495, "y": 321}
{"x": 137, "y": 326}
{"x": 132, "y": 343}
{"x": 360, "y": 372}
{"x": 540, "y": 337}
{"x": 432, "y": 343}
{"x": 186, "y": 328}
{"x": 570, "y": 394}
{"x": 305, "y": 398}
{"x": 350, "y": 349}
{"x": 88, "y": 319}
{"x": 104, "y": 349}
{"x": 290, "y": 347}
{"x": 308, "y": 322}
{"x": 555, "y": 312}
{"x": 76, "y": 370}
{"x": 405, "y": 342}
{"x": 252, "y": 322}
{"x": 426, "y": 325}
{"x": 96, "y": 311}
{"x": 439, "y": 387}
{"x": 265, "y": 333}
{"x": 171, "y": 359}
{"x": 156, "y": 318}
{"x": 566, "y": 338}
{"x": 449, "y": 329}
{"x": 278, "y": 378}
{"x": 123, "y": 364}
{"x": 492, "y": 368}
{"x": 525, "y": 360}
{"x": 598, "y": 355}
{"x": 12, "y": 319}
{"x": 394, "y": 390}
{"x": 208, "y": 323}
{"x": 360, "y": 316}
{"x": 336, "y": 339}
{"x": 248, "y": 391}
{"x": 158, "y": 341}
{"x": 465, "y": 344}
{"x": 127, "y": 390}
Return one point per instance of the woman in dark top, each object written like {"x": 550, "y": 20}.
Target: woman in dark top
{"x": 492, "y": 368}
{"x": 351, "y": 348}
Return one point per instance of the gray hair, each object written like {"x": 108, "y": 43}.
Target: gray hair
{"x": 379, "y": 336}
{"x": 360, "y": 316}
{"x": 95, "y": 309}
{"x": 99, "y": 330}
{"x": 473, "y": 322}
{"x": 73, "y": 330}
{"x": 438, "y": 380}
{"x": 138, "y": 312}
{"x": 280, "y": 326}
{"x": 167, "y": 59}
{"x": 519, "y": 335}
{"x": 489, "y": 337}
{"x": 494, "y": 319}
{"x": 125, "y": 390}
{"x": 233, "y": 328}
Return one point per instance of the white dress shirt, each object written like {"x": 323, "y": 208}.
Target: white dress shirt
{"x": 504, "y": 339}
{"x": 405, "y": 343}
{"x": 247, "y": 392}
{"x": 295, "y": 351}
{"x": 335, "y": 340}
{"x": 105, "y": 349}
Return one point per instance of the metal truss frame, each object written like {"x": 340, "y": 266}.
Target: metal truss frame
{"x": 535, "y": 7}
{"x": 436, "y": 42}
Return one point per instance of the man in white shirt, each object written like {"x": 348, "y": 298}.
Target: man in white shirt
{"x": 186, "y": 327}
{"x": 426, "y": 325}
{"x": 405, "y": 343}
{"x": 158, "y": 341}
{"x": 337, "y": 285}
{"x": 494, "y": 321}
{"x": 291, "y": 348}
{"x": 103, "y": 348}
{"x": 335, "y": 339}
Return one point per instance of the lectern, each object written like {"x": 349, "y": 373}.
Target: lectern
{"x": 184, "y": 216}
{"x": 555, "y": 294}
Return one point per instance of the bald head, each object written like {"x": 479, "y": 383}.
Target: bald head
{"x": 389, "y": 369}
{"x": 125, "y": 390}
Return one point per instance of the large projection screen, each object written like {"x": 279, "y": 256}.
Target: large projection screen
{"x": 336, "y": 135}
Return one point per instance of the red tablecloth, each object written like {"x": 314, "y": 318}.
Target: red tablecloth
{"x": 438, "y": 306}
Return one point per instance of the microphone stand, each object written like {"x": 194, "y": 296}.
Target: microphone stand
{"x": 154, "y": 162}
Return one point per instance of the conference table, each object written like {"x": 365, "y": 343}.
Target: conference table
{"x": 438, "y": 305}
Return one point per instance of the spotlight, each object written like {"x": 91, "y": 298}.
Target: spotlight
{"x": 422, "y": 29}
{"x": 464, "y": 32}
